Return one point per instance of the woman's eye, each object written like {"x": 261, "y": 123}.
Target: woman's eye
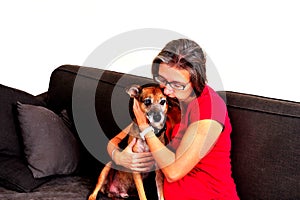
{"x": 177, "y": 85}
{"x": 162, "y": 102}
{"x": 147, "y": 102}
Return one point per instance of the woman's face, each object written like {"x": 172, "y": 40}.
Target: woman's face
{"x": 175, "y": 77}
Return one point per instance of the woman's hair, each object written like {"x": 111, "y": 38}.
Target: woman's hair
{"x": 184, "y": 54}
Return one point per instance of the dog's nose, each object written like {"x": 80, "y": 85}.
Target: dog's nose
{"x": 157, "y": 117}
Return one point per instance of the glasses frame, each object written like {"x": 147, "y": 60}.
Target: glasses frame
{"x": 164, "y": 82}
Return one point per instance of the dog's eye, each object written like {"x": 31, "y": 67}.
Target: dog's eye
{"x": 162, "y": 102}
{"x": 147, "y": 102}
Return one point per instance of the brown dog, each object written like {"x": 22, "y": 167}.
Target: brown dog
{"x": 154, "y": 104}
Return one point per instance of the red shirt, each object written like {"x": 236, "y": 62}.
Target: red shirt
{"x": 211, "y": 177}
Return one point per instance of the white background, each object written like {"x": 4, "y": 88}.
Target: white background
{"x": 253, "y": 44}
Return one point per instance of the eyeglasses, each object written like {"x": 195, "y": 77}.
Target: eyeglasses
{"x": 175, "y": 85}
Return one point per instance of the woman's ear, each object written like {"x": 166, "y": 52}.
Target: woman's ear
{"x": 133, "y": 91}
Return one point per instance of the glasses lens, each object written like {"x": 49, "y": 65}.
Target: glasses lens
{"x": 161, "y": 80}
{"x": 177, "y": 86}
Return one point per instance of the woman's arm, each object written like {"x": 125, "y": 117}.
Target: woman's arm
{"x": 114, "y": 142}
{"x": 141, "y": 162}
{"x": 197, "y": 141}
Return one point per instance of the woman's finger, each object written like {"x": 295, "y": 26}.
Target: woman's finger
{"x": 143, "y": 167}
{"x": 143, "y": 164}
{"x": 144, "y": 159}
{"x": 131, "y": 144}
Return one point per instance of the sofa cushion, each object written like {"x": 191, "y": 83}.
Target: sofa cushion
{"x": 265, "y": 146}
{"x": 14, "y": 173}
{"x": 49, "y": 146}
{"x": 9, "y": 133}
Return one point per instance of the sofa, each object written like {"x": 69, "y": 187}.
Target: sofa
{"x": 53, "y": 145}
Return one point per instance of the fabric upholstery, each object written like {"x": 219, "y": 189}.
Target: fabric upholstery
{"x": 49, "y": 146}
{"x": 265, "y": 146}
{"x": 9, "y": 132}
{"x": 14, "y": 173}
{"x": 16, "y": 176}
{"x": 97, "y": 100}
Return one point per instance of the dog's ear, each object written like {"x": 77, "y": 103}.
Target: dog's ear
{"x": 133, "y": 91}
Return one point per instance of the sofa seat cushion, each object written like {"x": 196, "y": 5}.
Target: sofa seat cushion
{"x": 72, "y": 187}
{"x": 64, "y": 187}
{"x": 15, "y": 175}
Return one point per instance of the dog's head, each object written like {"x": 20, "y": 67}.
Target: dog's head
{"x": 152, "y": 102}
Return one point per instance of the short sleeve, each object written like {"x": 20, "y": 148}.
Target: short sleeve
{"x": 208, "y": 106}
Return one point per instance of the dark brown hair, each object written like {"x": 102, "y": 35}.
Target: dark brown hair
{"x": 184, "y": 54}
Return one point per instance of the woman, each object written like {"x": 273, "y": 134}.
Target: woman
{"x": 196, "y": 162}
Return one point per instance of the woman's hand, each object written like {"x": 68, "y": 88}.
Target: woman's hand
{"x": 139, "y": 115}
{"x": 141, "y": 162}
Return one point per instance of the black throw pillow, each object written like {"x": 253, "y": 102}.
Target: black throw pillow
{"x": 9, "y": 133}
{"x": 14, "y": 173}
{"x": 49, "y": 146}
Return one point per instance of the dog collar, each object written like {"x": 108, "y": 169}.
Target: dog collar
{"x": 158, "y": 132}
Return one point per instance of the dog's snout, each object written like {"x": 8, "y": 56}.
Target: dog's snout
{"x": 157, "y": 117}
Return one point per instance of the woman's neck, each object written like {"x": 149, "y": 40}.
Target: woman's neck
{"x": 184, "y": 104}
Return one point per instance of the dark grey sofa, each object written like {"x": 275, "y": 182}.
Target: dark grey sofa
{"x": 265, "y": 139}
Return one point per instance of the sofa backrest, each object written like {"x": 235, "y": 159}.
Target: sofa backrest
{"x": 265, "y": 146}
{"x": 96, "y": 101}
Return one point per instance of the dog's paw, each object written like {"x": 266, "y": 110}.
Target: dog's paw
{"x": 161, "y": 198}
{"x": 124, "y": 195}
{"x": 92, "y": 197}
